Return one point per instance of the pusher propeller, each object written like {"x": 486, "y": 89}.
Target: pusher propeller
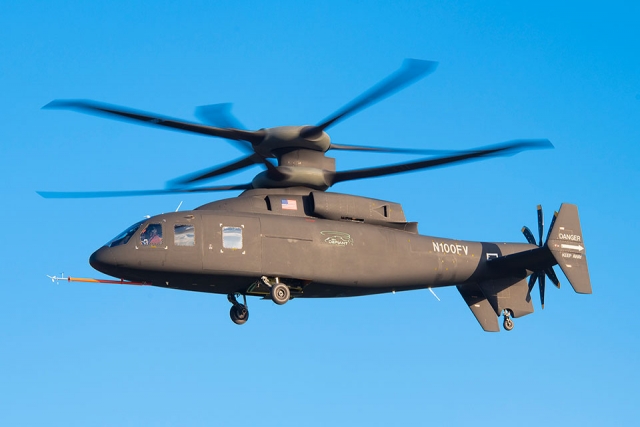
{"x": 541, "y": 275}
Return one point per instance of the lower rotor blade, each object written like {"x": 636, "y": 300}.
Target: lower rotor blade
{"x": 216, "y": 171}
{"x": 528, "y": 235}
{"x": 103, "y": 194}
{"x": 507, "y": 148}
{"x": 541, "y": 284}
{"x": 411, "y": 71}
{"x": 540, "y": 225}
{"x": 552, "y": 276}
{"x": 389, "y": 150}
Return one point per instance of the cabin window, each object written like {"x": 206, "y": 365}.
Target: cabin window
{"x": 232, "y": 237}
{"x": 124, "y": 237}
{"x": 151, "y": 235}
{"x": 184, "y": 235}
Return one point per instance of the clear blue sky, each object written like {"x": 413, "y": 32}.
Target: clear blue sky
{"x": 102, "y": 355}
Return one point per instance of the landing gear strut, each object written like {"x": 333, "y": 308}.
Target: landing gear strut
{"x": 507, "y": 323}
{"x": 239, "y": 312}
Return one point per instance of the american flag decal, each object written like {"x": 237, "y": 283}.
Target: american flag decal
{"x": 288, "y": 204}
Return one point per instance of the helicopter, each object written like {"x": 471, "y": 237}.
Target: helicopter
{"x": 286, "y": 237}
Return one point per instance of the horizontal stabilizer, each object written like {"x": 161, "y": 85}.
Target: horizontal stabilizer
{"x": 480, "y": 307}
{"x": 488, "y": 298}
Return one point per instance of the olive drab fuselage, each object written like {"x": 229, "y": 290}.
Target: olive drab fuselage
{"x": 228, "y": 246}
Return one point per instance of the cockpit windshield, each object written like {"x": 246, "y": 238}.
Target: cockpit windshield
{"x": 123, "y": 238}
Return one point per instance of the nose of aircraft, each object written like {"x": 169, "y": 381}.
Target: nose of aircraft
{"x": 102, "y": 260}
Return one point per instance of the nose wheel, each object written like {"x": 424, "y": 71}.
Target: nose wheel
{"x": 507, "y": 324}
{"x": 239, "y": 313}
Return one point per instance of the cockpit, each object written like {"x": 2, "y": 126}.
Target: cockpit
{"x": 153, "y": 235}
{"x": 124, "y": 237}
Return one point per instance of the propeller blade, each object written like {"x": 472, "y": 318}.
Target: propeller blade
{"x": 150, "y": 119}
{"x": 411, "y": 71}
{"x": 529, "y": 235}
{"x": 389, "y": 150}
{"x": 102, "y": 194}
{"x": 532, "y": 282}
{"x": 553, "y": 221}
{"x": 540, "y": 225}
{"x": 541, "y": 284}
{"x": 216, "y": 171}
{"x": 507, "y": 148}
{"x": 552, "y": 276}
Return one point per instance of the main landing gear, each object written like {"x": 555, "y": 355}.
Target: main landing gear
{"x": 507, "y": 324}
{"x": 279, "y": 293}
{"x": 239, "y": 312}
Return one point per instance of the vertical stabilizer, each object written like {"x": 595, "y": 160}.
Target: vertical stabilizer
{"x": 567, "y": 246}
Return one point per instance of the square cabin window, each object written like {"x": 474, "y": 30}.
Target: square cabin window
{"x": 232, "y": 237}
{"x": 184, "y": 235}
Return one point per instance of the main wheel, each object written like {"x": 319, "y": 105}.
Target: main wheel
{"x": 280, "y": 293}
{"x": 239, "y": 314}
{"x": 508, "y": 324}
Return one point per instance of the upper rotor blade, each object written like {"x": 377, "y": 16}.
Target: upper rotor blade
{"x": 97, "y": 108}
{"x": 217, "y": 170}
{"x": 496, "y": 150}
{"x": 389, "y": 149}
{"x": 411, "y": 71}
{"x": 219, "y": 115}
{"x": 102, "y": 194}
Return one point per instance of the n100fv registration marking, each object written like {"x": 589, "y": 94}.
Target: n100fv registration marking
{"x": 450, "y": 248}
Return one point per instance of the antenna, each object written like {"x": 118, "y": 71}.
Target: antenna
{"x": 178, "y": 208}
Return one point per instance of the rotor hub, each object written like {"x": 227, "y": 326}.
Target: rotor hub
{"x": 289, "y": 137}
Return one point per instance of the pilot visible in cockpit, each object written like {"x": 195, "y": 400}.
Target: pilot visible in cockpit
{"x": 152, "y": 235}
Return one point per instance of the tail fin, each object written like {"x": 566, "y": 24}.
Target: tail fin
{"x": 567, "y": 246}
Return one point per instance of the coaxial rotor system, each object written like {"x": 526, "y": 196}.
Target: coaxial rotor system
{"x": 300, "y": 150}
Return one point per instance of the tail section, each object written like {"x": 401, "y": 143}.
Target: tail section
{"x": 505, "y": 291}
{"x": 567, "y": 247}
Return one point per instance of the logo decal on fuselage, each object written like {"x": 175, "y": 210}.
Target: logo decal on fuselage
{"x": 337, "y": 238}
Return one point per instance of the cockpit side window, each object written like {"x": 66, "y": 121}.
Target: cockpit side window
{"x": 151, "y": 235}
{"x": 232, "y": 237}
{"x": 124, "y": 237}
{"x": 184, "y": 235}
